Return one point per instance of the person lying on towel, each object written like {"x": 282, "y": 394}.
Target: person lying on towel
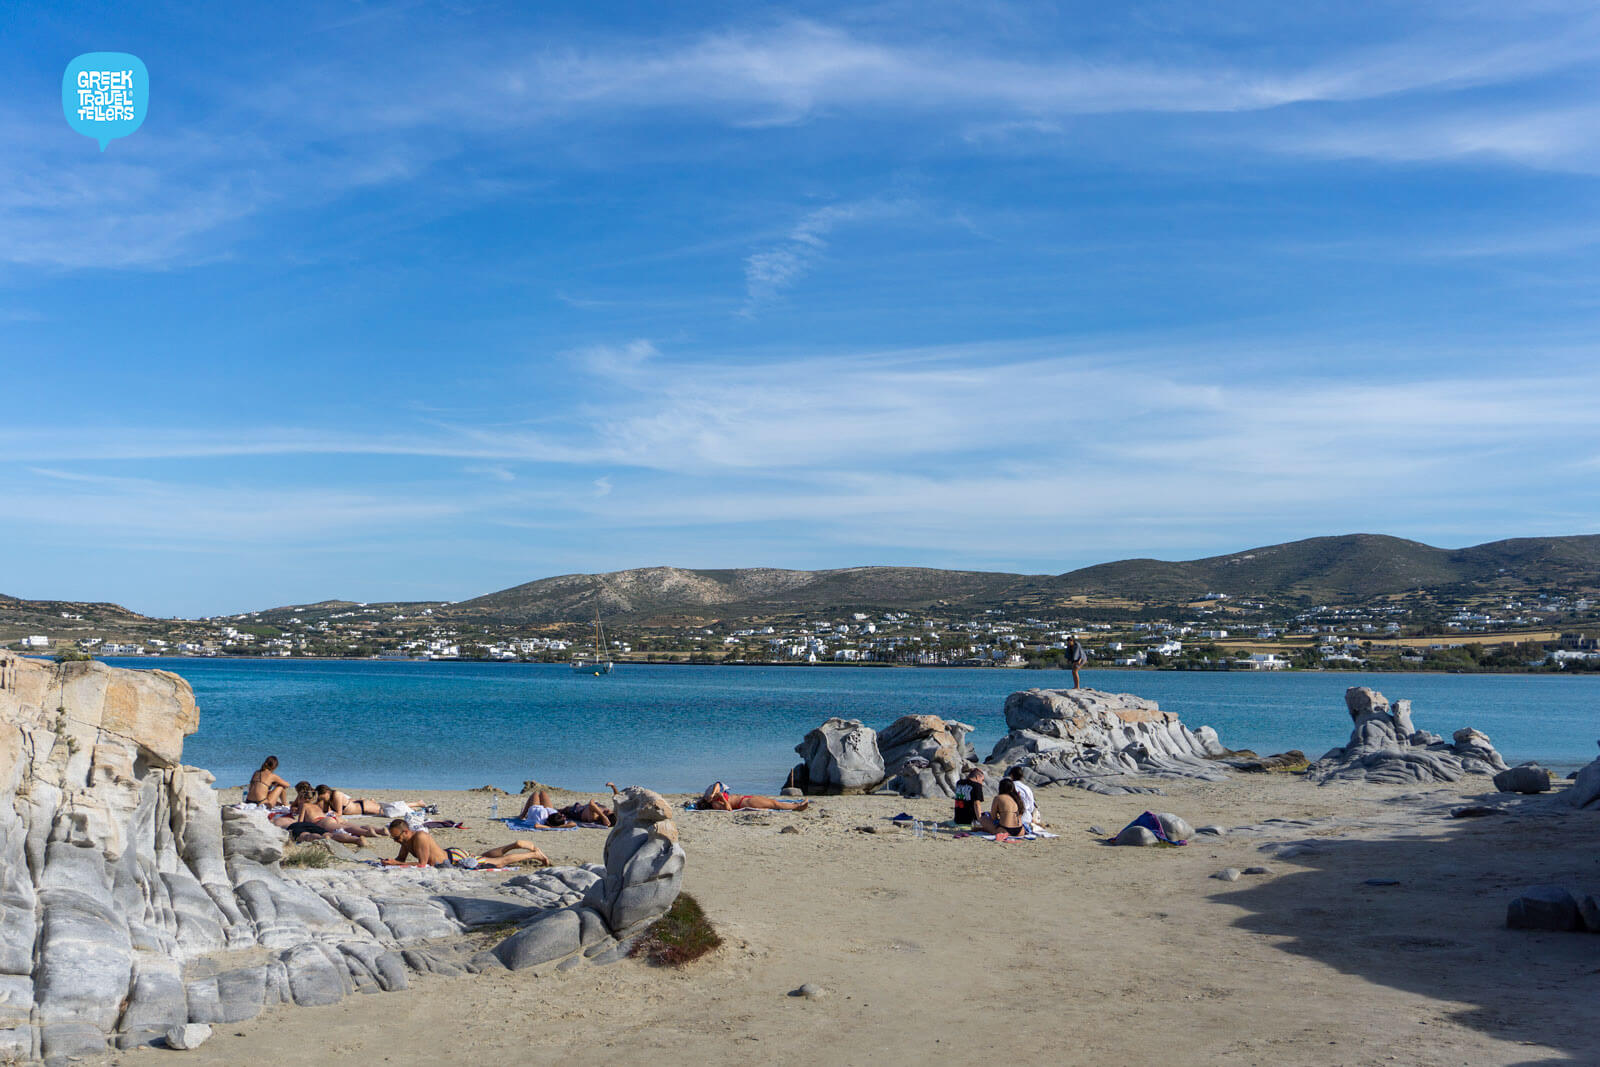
{"x": 717, "y": 798}
{"x": 419, "y": 849}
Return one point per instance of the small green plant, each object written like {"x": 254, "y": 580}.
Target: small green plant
{"x": 307, "y": 856}
{"x": 681, "y": 936}
{"x": 73, "y": 655}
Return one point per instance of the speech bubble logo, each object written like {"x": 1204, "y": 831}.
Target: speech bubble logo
{"x": 105, "y": 95}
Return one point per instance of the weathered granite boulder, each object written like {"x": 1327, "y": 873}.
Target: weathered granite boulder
{"x": 1527, "y": 778}
{"x": 923, "y": 755}
{"x": 1584, "y": 792}
{"x": 643, "y": 869}
{"x": 1100, "y": 741}
{"x": 840, "y": 756}
{"x": 130, "y": 901}
{"x": 1386, "y": 747}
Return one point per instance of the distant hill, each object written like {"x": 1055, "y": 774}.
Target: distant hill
{"x": 1353, "y": 567}
{"x": 1345, "y": 569}
{"x": 672, "y": 592}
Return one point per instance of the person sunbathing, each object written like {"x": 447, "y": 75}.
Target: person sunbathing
{"x": 306, "y": 809}
{"x": 541, "y": 811}
{"x": 1005, "y": 814}
{"x": 301, "y": 830}
{"x": 717, "y": 798}
{"x": 266, "y": 787}
{"x": 516, "y": 854}
{"x": 339, "y": 803}
{"x": 417, "y": 846}
{"x": 419, "y": 849}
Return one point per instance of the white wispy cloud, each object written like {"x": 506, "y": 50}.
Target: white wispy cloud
{"x": 769, "y": 272}
{"x": 330, "y": 124}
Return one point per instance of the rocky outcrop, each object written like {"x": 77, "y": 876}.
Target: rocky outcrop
{"x": 840, "y": 756}
{"x": 1102, "y": 742}
{"x": 923, "y": 755}
{"x": 1386, "y": 747}
{"x": 131, "y": 904}
{"x": 916, "y": 756}
{"x": 1584, "y": 792}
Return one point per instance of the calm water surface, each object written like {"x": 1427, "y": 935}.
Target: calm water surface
{"x": 374, "y": 724}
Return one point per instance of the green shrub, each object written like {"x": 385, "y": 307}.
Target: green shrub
{"x": 681, "y": 936}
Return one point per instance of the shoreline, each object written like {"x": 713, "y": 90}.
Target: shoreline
{"x": 125, "y": 661}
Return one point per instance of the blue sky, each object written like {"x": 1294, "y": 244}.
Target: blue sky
{"x": 425, "y": 300}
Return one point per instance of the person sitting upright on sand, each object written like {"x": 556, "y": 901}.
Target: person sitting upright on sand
{"x": 266, "y": 787}
{"x": 1030, "y": 807}
{"x": 969, "y": 797}
{"x": 1004, "y": 817}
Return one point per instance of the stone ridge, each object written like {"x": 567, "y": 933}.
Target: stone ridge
{"x": 131, "y": 903}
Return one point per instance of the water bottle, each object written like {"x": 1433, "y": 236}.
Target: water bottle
{"x": 916, "y": 829}
{"x": 494, "y": 808}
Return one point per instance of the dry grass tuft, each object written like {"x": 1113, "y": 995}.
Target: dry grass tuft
{"x": 307, "y": 856}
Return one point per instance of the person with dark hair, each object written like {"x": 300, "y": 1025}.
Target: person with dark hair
{"x": 1030, "y": 807}
{"x": 266, "y": 787}
{"x": 969, "y": 797}
{"x": 541, "y": 811}
{"x": 1077, "y": 656}
{"x": 717, "y": 798}
{"x": 1004, "y": 817}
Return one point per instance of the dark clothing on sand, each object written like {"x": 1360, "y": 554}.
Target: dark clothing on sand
{"x": 969, "y": 801}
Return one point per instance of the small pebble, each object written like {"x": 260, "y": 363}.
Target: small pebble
{"x": 1099, "y": 831}
{"x": 790, "y": 829}
{"x": 1227, "y": 874}
{"x": 1258, "y": 870}
{"x": 1382, "y": 881}
{"x": 1214, "y": 831}
{"x": 808, "y": 991}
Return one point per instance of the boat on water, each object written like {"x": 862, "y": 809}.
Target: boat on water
{"x": 597, "y": 664}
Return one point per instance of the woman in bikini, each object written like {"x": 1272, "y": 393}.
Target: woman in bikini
{"x": 718, "y": 798}
{"x": 339, "y": 803}
{"x": 306, "y": 809}
{"x": 266, "y": 787}
{"x": 541, "y": 810}
{"x": 1004, "y": 816}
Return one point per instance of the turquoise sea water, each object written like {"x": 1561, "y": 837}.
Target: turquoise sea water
{"x": 374, "y": 724}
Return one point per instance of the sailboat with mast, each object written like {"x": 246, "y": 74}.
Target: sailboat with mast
{"x": 598, "y": 664}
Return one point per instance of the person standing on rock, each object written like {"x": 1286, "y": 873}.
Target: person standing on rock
{"x": 1077, "y": 656}
{"x": 969, "y": 797}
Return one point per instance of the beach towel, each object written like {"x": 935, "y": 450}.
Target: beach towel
{"x": 528, "y": 824}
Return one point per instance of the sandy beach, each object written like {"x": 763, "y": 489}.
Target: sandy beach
{"x": 1061, "y": 951}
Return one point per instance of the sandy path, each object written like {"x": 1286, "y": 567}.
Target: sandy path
{"x": 1059, "y": 951}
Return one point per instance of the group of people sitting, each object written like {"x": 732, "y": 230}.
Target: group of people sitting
{"x": 1012, "y": 813}
{"x": 314, "y": 813}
